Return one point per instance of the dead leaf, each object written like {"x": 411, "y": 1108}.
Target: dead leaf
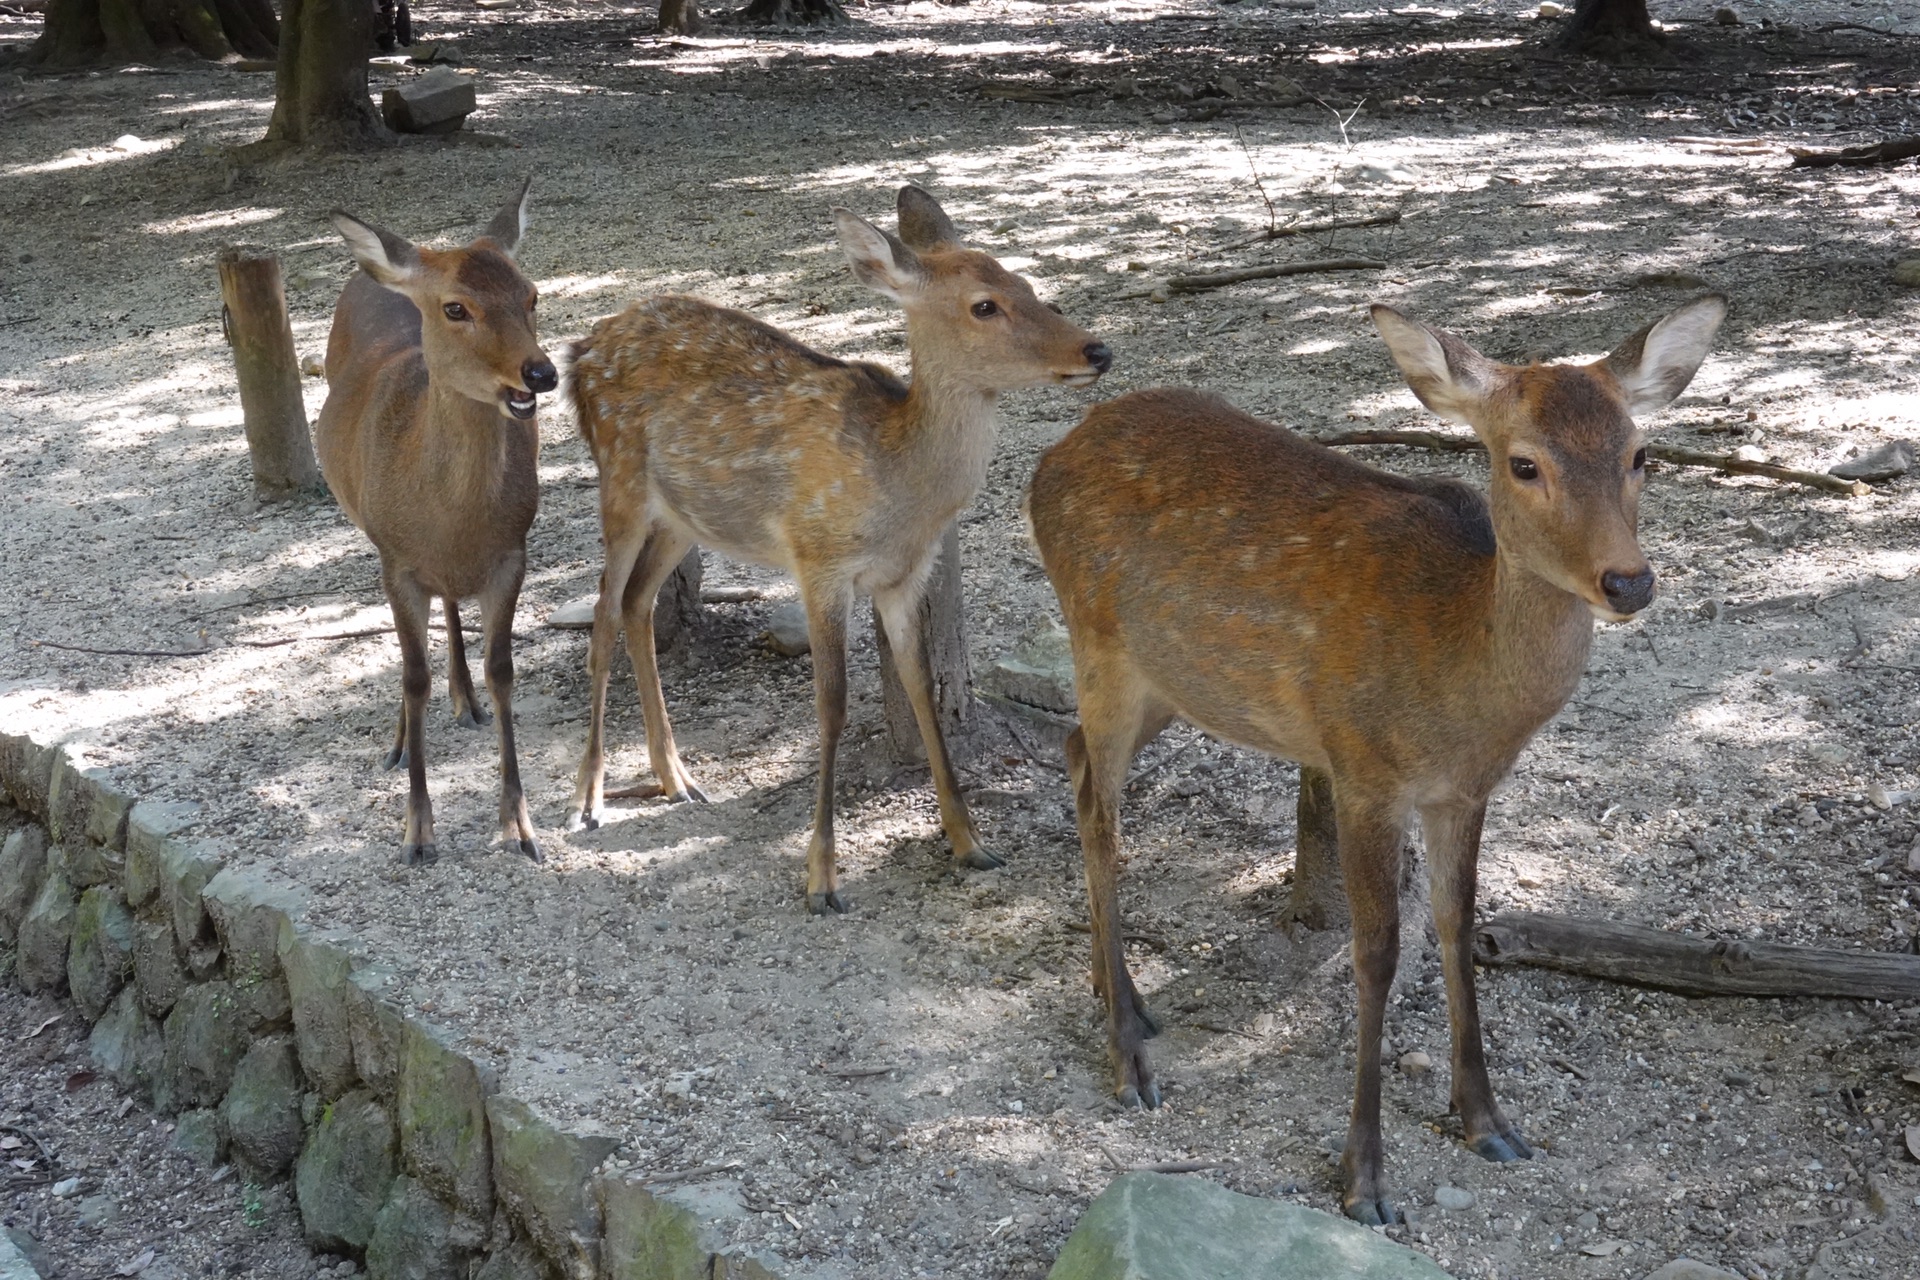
{"x": 1913, "y": 1141}
{"x": 42, "y": 1027}
{"x": 136, "y": 1266}
{"x": 80, "y": 1080}
{"x": 24, "y": 1166}
{"x": 10, "y": 1143}
{"x": 1603, "y": 1248}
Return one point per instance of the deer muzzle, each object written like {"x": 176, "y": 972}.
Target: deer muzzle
{"x": 1627, "y": 593}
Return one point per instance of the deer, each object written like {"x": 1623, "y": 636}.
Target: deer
{"x": 712, "y": 428}
{"x": 1406, "y": 637}
{"x": 428, "y": 441}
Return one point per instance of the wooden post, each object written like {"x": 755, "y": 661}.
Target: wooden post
{"x": 254, "y": 316}
{"x": 943, "y": 621}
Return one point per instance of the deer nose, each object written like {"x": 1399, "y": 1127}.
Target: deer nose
{"x": 1628, "y": 592}
{"x": 1098, "y": 355}
{"x": 539, "y": 375}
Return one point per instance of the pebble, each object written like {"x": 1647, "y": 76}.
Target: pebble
{"x": 786, "y": 632}
{"x": 1548, "y": 9}
{"x": 66, "y": 1187}
{"x": 1894, "y": 458}
{"x": 574, "y": 615}
{"x": 98, "y": 1211}
{"x": 1415, "y": 1062}
{"x": 1750, "y": 453}
{"x": 1453, "y": 1197}
{"x": 314, "y": 367}
{"x": 1907, "y": 273}
{"x": 1725, "y": 17}
{"x": 1588, "y": 1221}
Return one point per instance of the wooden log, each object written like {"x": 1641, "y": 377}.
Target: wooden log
{"x": 943, "y": 623}
{"x": 1692, "y": 966}
{"x": 1891, "y": 151}
{"x": 254, "y": 316}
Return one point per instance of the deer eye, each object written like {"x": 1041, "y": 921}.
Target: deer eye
{"x": 1640, "y": 459}
{"x": 455, "y": 311}
{"x": 985, "y": 309}
{"x": 1523, "y": 468}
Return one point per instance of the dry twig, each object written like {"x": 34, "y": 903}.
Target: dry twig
{"x": 1314, "y": 228}
{"x": 1891, "y": 151}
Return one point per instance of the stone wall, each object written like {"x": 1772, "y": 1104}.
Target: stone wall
{"x": 273, "y": 1043}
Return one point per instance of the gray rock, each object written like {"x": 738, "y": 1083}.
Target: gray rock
{"x": 436, "y": 103}
{"x": 786, "y": 632}
{"x": 85, "y": 863}
{"x": 100, "y": 955}
{"x": 262, "y": 1106}
{"x": 23, "y": 865}
{"x": 249, "y": 909}
{"x": 151, "y": 827}
{"x": 413, "y": 1238}
{"x": 671, "y": 1233}
{"x": 517, "y": 1261}
{"x": 1038, "y": 673}
{"x": 318, "y": 971}
{"x": 44, "y": 935}
{"x": 207, "y": 1033}
{"x": 1688, "y": 1269}
{"x": 97, "y": 1211}
{"x": 158, "y": 972}
{"x": 1454, "y": 1198}
{"x": 543, "y": 1177}
{"x": 128, "y": 1044}
{"x": 574, "y": 615}
{"x": 1894, "y": 458}
{"x": 375, "y": 1026}
{"x": 200, "y": 1136}
{"x": 1907, "y": 273}
{"x": 1152, "y": 1226}
{"x": 345, "y": 1173}
{"x": 441, "y": 1108}
{"x": 185, "y": 870}
{"x": 83, "y": 805}
{"x": 26, "y": 772}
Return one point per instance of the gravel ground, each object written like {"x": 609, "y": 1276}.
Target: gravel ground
{"x": 919, "y": 1088}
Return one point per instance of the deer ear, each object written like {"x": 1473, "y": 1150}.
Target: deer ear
{"x": 923, "y": 223}
{"x": 510, "y": 223}
{"x": 1450, "y": 377}
{"x": 1657, "y": 363}
{"x": 383, "y": 255}
{"x": 879, "y": 261}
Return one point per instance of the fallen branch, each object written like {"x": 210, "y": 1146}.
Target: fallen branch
{"x": 1723, "y": 462}
{"x": 1692, "y": 966}
{"x": 1221, "y": 279}
{"x": 232, "y": 644}
{"x": 1861, "y": 26}
{"x": 1891, "y": 151}
{"x": 1314, "y": 229}
{"x": 683, "y": 1175}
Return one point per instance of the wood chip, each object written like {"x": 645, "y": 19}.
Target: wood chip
{"x": 136, "y": 1265}
{"x": 42, "y": 1027}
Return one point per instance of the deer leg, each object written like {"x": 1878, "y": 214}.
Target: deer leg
{"x": 897, "y": 608}
{"x": 1113, "y": 722}
{"x": 827, "y": 607}
{"x": 398, "y": 756}
{"x": 410, "y": 602}
{"x": 1453, "y": 856}
{"x": 658, "y": 559}
{"x": 467, "y": 711}
{"x": 624, "y": 539}
{"x": 497, "y": 604}
{"x": 1369, "y": 841}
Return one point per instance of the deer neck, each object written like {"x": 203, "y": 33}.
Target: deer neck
{"x": 1537, "y": 643}
{"x": 462, "y": 445}
{"x": 942, "y": 435}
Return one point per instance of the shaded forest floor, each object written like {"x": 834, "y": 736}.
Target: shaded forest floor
{"x": 659, "y": 976}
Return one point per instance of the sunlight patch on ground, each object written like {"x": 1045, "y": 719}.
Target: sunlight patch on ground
{"x": 213, "y": 220}
{"x": 125, "y": 147}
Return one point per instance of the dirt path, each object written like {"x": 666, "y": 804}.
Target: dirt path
{"x": 659, "y": 976}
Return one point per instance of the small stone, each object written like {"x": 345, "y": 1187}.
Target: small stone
{"x": 1415, "y": 1062}
{"x": 128, "y": 1044}
{"x": 1548, "y": 9}
{"x": 1913, "y": 859}
{"x": 436, "y": 103}
{"x": 1037, "y": 674}
{"x": 1830, "y": 753}
{"x": 1879, "y": 797}
{"x": 1588, "y": 1221}
{"x": 66, "y": 1187}
{"x": 100, "y": 955}
{"x": 574, "y": 615}
{"x": 1725, "y": 17}
{"x": 786, "y": 632}
{"x": 1907, "y": 273}
{"x": 97, "y": 1211}
{"x": 45, "y": 934}
{"x": 262, "y": 1106}
{"x": 200, "y": 1136}
{"x": 1454, "y": 1198}
{"x": 313, "y": 367}
{"x": 1750, "y": 453}
{"x": 1892, "y": 459}
{"x": 207, "y": 1035}
{"x": 1689, "y": 1269}
{"x": 23, "y": 865}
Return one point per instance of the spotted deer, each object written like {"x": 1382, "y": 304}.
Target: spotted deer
{"x": 712, "y": 428}
{"x": 1406, "y": 637}
{"x": 428, "y": 442}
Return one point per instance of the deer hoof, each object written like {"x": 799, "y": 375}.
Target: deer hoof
{"x": 578, "y": 820}
{"x": 1374, "y": 1211}
{"x": 419, "y": 855}
{"x": 395, "y": 759}
{"x": 980, "y": 860}
{"x": 1502, "y": 1148}
{"x": 474, "y": 718}
{"x": 1145, "y": 1096}
{"x": 819, "y": 903}
{"x": 691, "y": 792}
{"x": 532, "y": 850}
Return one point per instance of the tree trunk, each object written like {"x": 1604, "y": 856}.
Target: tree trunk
{"x": 1610, "y": 29}
{"x": 791, "y": 13}
{"x": 1319, "y": 894}
{"x": 82, "y": 33}
{"x": 679, "y": 17}
{"x": 676, "y": 611}
{"x": 320, "y": 91}
{"x": 943, "y": 628}
{"x": 254, "y": 309}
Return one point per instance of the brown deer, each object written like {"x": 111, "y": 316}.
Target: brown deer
{"x": 710, "y": 427}
{"x": 1406, "y": 637}
{"x": 428, "y": 442}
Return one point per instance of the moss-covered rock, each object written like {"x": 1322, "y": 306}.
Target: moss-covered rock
{"x": 544, "y": 1177}
{"x": 345, "y": 1173}
{"x": 376, "y": 1028}
{"x": 318, "y": 971}
{"x": 26, "y": 772}
{"x": 672, "y": 1234}
{"x": 201, "y": 1136}
{"x": 262, "y": 1106}
{"x": 100, "y": 954}
{"x": 23, "y": 865}
{"x": 208, "y": 1032}
{"x": 185, "y": 871}
{"x": 151, "y": 827}
{"x": 416, "y": 1238}
{"x": 83, "y": 804}
{"x": 442, "y": 1112}
{"x": 249, "y": 908}
{"x": 129, "y": 1045}
{"x": 159, "y": 975}
{"x": 45, "y": 934}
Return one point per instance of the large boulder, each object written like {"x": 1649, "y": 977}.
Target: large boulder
{"x": 345, "y": 1174}
{"x": 1156, "y": 1226}
{"x": 159, "y": 975}
{"x": 45, "y": 934}
{"x": 208, "y": 1033}
{"x": 442, "y": 1110}
{"x": 151, "y": 828}
{"x": 319, "y": 974}
{"x": 262, "y": 1106}
{"x": 674, "y": 1233}
{"x": 418, "y": 1238}
{"x": 544, "y": 1177}
{"x": 23, "y": 865}
{"x": 128, "y": 1044}
{"x": 100, "y": 955}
